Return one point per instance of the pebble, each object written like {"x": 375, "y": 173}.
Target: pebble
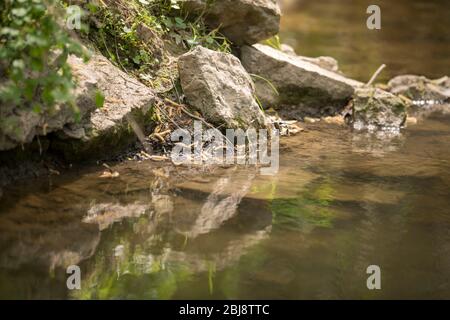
{"x": 411, "y": 120}
{"x": 311, "y": 120}
{"x": 339, "y": 120}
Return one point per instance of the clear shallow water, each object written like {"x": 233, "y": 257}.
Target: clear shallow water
{"x": 340, "y": 202}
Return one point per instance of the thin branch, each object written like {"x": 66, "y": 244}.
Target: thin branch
{"x": 375, "y": 75}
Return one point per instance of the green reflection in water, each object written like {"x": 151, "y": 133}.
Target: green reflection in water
{"x": 308, "y": 210}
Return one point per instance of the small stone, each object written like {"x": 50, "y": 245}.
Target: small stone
{"x": 339, "y": 120}
{"x": 158, "y": 158}
{"x": 293, "y": 129}
{"x": 419, "y": 88}
{"x": 109, "y": 174}
{"x": 310, "y": 120}
{"x": 411, "y": 120}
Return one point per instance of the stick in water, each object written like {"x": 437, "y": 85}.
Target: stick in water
{"x": 376, "y": 74}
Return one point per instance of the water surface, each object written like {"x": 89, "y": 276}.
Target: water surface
{"x": 414, "y": 36}
{"x": 341, "y": 201}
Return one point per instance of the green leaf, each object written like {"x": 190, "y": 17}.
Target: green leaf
{"x": 19, "y": 12}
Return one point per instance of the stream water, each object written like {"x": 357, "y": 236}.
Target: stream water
{"x": 414, "y": 36}
{"x": 340, "y": 202}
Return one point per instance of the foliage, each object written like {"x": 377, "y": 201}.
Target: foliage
{"x": 34, "y": 45}
{"x": 273, "y": 42}
{"x": 141, "y": 36}
{"x": 33, "y": 52}
{"x": 115, "y": 30}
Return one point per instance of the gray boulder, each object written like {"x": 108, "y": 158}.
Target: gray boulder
{"x": 302, "y": 87}
{"x": 218, "y": 86}
{"x": 376, "y": 109}
{"x": 107, "y": 129}
{"x": 19, "y": 125}
{"x": 419, "y": 88}
{"x": 242, "y": 21}
{"x": 100, "y": 130}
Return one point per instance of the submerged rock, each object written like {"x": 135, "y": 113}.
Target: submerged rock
{"x": 242, "y": 21}
{"x": 303, "y": 87}
{"x": 420, "y": 89}
{"x": 376, "y": 109}
{"x": 219, "y": 87}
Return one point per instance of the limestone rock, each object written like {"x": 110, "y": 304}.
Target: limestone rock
{"x": 20, "y": 125}
{"x": 106, "y": 128}
{"x": 219, "y": 87}
{"x": 302, "y": 86}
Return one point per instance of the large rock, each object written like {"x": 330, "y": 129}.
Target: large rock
{"x": 218, "y": 86}
{"x": 419, "y": 88}
{"x": 242, "y": 21}
{"x": 127, "y": 101}
{"x": 303, "y": 88}
{"x": 376, "y": 109}
{"x": 20, "y": 125}
{"x": 100, "y": 129}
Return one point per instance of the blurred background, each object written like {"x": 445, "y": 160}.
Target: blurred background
{"x": 414, "y": 38}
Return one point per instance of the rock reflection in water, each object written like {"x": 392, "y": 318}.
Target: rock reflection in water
{"x": 377, "y": 144}
{"x": 106, "y": 214}
{"x": 151, "y": 224}
{"x": 186, "y": 241}
{"x": 220, "y": 206}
